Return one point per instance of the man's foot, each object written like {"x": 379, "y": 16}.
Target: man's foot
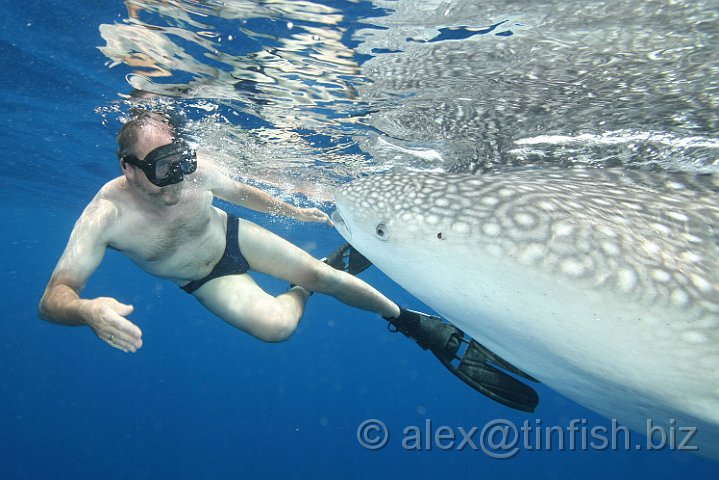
{"x": 475, "y": 365}
{"x": 430, "y": 332}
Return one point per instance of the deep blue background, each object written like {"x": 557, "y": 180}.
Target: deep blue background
{"x": 202, "y": 400}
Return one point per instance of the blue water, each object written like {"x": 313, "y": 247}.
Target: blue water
{"x": 200, "y": 399}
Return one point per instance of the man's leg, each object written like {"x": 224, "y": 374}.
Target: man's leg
{"x": 268, "y": 253}
{"x": 271, "y": 254}
{"x": 239, "y": 301}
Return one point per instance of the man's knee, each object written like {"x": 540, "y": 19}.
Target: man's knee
{"x": 275, "y": 325}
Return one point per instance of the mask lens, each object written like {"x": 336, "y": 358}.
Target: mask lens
{"x": 165, "y": 166}
{"x": 188, "y": 162}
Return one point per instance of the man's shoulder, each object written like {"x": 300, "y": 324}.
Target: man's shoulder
{"x": 211, "y": 172}
{"x": 113, "y": 193}
{"x": 111, "y": 189}
{"x": 105, "y": 206}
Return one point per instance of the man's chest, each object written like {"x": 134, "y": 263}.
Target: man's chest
{"x": 155, "y": 235}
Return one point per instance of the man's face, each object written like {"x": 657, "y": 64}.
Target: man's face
{"x": 154, "y": 134}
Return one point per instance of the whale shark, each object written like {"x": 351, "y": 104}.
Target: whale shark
{"x": 601, "y": 283}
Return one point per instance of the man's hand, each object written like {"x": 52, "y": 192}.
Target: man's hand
{"x": 313, "y": 215}
{"x": 106, "y": 317}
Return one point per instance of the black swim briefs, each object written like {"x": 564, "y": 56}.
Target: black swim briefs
{"x": 232, "y": 261}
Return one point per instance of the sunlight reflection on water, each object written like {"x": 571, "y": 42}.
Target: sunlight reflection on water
{"x": 303, "y": 93}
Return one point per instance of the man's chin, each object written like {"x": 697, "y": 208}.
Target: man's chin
{"x": 168, "y": 195}
{"x": 168, "y": 201}
{"x": 171, "y": 194}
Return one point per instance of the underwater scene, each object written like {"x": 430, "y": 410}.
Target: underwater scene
{"x": 531, "y": 195}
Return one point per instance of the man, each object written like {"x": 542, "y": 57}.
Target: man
{"x": 159, "y": 213}
{"x": 174, "y": 232}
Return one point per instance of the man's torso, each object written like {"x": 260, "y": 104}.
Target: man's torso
{"x": 180, "y": 242}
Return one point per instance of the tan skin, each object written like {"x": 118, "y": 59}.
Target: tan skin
{"x": 175, "y": 232}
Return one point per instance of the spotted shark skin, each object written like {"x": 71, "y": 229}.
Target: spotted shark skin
{"x": 603, "y": 284}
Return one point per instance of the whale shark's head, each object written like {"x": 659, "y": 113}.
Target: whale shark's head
{"x": 368, "y": 210}
{"x": 653, "y": 237}
{"x": 384, "y": 212}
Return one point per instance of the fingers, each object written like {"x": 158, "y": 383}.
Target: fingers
{"x": 123, "y": 344}
{"x": 123, "y": 337}
{"x": 114, "y": 329}
{"x": 129, "y": 329}
{"x": 322, "y": 217}
{"x": 318, "y": 216}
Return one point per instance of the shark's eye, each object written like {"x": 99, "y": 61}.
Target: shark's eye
{"x": 382, "y": 232}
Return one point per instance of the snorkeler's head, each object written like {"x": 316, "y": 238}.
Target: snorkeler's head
{"x": 150, "y": 142}
{"x": 141, "y": 126}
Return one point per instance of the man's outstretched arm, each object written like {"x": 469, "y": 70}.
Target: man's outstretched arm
{"x": 253, "y": 198}
{"x": 61, "y": 302}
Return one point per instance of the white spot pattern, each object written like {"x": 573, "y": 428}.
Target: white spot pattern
{"x": 652, "y": 238}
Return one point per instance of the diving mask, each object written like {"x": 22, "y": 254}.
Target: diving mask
{"x": 167, "y": 164}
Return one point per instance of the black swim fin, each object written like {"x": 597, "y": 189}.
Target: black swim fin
{"x": 348, "y": 259}
{"x": 475, "y": 365}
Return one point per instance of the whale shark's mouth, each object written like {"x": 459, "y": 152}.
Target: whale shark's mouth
{"x": 341, "y": 226}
